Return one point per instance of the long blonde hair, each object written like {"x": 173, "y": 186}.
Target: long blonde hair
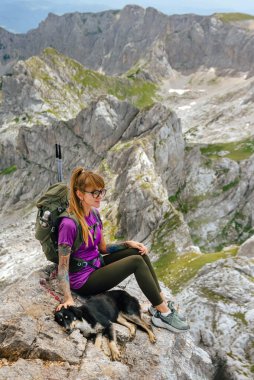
{"x": 80, "y": 180}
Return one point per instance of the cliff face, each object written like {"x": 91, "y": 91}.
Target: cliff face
{"x": 114, "y": 41}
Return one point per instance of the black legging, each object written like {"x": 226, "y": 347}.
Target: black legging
{"x": 118, "y": 266}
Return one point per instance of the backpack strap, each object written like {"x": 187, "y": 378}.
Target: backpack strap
{"x": 97, "y": 215}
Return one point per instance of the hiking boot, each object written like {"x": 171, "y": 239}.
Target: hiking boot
{"x": 152, "y": 311}
{"x": 170, "y": 322}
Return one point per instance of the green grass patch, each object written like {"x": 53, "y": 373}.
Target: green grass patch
{"x": 133, "y": 73}
{"x": 175, "y": 271}
{"x": 241, "y": 317}
{"x": 230, "y": 185}
{"x": 231, "y": 17}
{"x": 213, "y": 296}
{"x": 237, "y": 151}
{"x": 138, "y": 91}
{"x": 186, "y": 205}
{"x": 9, "y": 170}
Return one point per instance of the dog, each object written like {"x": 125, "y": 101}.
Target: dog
{"x": 97, "y": 315}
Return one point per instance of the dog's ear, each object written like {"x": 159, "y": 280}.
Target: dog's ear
{"x": 76, "y": 311}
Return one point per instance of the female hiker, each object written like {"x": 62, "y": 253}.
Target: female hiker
{"x": 120, "y": 260}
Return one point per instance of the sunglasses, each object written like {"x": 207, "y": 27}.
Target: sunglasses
{"x": 97, "y": 193}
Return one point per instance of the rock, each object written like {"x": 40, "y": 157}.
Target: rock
{"x": 219, "y": 305}
{"x": 207, "y": 338}
{"x": 35, "y": 369}
{"x": 212, "y": 200}
{"x": 31, "y": 341}
{"x": 16, "y": 337}
{"x": 247, "y": 248}
{"x": 107, "y": 118}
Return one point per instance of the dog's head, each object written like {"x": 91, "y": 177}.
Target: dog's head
{"x": 67, "y": 318}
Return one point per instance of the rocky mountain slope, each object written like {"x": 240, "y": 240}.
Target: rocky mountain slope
{"x": 222, "y": 297}
{"x": 115, "y": 41}
{"x": 51, "y": 98}
{"x": 177, "y": 157}
{"x": 218, "y": 302}
{"x": 33, "y": 345}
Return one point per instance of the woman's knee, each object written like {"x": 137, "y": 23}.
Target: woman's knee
{"x": 133, "y": 251}
{"x": 137, "y": 260}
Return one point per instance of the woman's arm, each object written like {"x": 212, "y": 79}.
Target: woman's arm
{"x": 110, "y": 248}
{"x": 64, "y": 252}
{"x": 102, "y": 246}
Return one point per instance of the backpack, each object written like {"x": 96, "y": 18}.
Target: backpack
{"x": 52, "y": 207}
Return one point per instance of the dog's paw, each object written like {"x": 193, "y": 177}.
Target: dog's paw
{"x": 116, "y": 355}
{"x": 98, "y": 341}
{"x": 152, "y": 337}
{"x": 133, "y": 330}
{"x": 105, "y": 347}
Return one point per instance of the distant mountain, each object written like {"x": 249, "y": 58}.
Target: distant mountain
{"x": 114, "y": 41}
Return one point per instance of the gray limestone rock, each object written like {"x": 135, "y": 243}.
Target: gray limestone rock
{"x": 247, "y": 248}
{"x": 219, "y": 305}
{"x": 216, "y": 199}
{"x": 31, "y": 341}
{"x": 102, "y": 124}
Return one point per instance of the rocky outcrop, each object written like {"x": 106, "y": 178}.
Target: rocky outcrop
{"x": 114, "y": 41}
{"x": 219, "y": 303}
{"x": 53, "y": 86}
{"x": 102, "y": 125}
{"x": 32, "y": 343}
{"x": 216, "y": 199}
{"x": 247, "y": 248}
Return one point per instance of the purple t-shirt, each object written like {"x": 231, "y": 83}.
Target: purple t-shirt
{"x": 67, "y": 234}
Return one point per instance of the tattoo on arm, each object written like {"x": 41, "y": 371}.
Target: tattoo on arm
{"x": 64, "y": 250}
{"x": 63, "y": 269}
{"x": 111, "y": 248}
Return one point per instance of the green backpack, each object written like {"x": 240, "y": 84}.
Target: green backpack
{"x": 51, "y": 208}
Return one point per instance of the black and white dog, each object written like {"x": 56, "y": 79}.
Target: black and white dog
{"x": 97, "y": 314}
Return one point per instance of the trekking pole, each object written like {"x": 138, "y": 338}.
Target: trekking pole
{"x": 57, "y": 162}
{"x": 60, "y": 164}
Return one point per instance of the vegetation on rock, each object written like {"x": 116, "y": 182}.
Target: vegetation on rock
{"x": 64, "y": 78}
{"x": 232, "y": 17}
{"x": 175, "y": 271}
{"x": 237, "y": 151}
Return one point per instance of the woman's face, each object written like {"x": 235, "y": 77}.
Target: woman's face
{"x": 91, "y": 197}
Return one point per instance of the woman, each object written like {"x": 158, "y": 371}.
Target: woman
{"x": 120, "y": 260}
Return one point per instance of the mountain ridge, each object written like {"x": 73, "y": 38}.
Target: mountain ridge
{"x": 114, "y": 41}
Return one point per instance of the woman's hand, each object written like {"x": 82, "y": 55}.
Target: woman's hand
{"x": 143, "y": 250}
{"x": 67, "y": 303}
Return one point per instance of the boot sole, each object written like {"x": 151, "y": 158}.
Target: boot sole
{"x": 159, "y": 323}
